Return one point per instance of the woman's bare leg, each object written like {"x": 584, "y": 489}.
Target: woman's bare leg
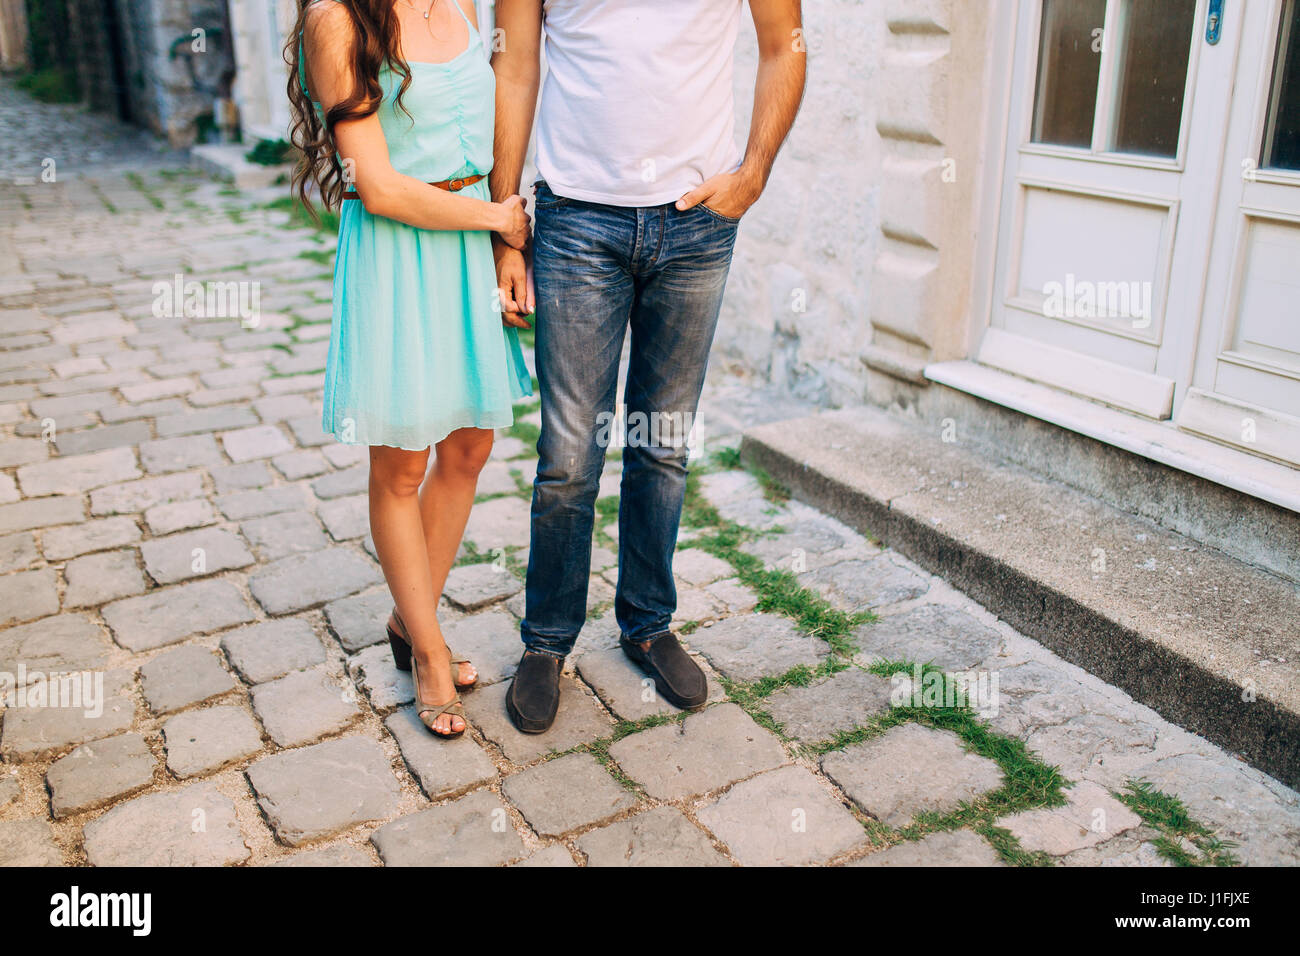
{"x": 395, "y": 525}
{"x": 445, "y": 503}
{"x": 448, "y": 495}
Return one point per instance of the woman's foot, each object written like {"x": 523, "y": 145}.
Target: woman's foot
{"x": 433, "y": 684}
{"x": 466, "y": 673}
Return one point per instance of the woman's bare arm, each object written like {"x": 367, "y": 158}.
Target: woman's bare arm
{"x": 362, "y": 145}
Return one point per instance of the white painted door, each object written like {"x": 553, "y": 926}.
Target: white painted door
{"x": 1245, "y": 387}
{"x": 1116, "y": 146}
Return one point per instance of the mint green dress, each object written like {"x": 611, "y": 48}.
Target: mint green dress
{"x": 417, "y": 346}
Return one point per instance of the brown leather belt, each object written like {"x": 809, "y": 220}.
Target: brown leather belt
{"x": 451, "y": 185}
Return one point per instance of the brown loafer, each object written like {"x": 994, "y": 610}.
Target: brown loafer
{"x": 677, "y": 677}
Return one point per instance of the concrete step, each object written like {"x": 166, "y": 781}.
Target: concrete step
{"x": 1210, "y": 642}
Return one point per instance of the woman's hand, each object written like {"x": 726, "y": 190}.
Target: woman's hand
{"x": 515, "y": 222}
{"x": 515, "y": 285}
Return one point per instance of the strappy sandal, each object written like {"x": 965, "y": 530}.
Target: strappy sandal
{"x": 428, "y": 713}
{"x": 401, "y": 647}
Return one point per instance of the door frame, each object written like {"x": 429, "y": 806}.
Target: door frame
{"x": 1159, "y": 391}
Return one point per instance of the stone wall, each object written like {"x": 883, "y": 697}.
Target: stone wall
{"x": 13, "y": 35}
{"x": 259, "y": 29}
{"x": 854, "y": 270}
{"x": 142, "y": 60}
{"x": 172, "y": 84}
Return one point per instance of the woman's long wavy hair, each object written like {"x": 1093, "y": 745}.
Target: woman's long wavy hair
{"x": 377, "y": 42}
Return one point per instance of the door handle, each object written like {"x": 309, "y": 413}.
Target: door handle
{"x": 1214, "y": 22}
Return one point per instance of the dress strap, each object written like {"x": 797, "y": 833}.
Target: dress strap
{"x": 302, "y": 66}
{"x": 473, "y": 30}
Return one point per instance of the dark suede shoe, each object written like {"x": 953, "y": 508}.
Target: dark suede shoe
{"x": 534, "y": 694}
{"x": 677, "y": 677}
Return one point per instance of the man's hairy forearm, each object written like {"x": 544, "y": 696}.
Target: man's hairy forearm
{"x": 777, "y": 94}
{"x": 514, "y": 125}
{"x": 517, "y": 64}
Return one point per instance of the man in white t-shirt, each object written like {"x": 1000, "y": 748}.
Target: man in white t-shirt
{"x": 641, "y": 188}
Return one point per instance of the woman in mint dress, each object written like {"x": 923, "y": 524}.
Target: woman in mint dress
{"x": 394, "y": 104}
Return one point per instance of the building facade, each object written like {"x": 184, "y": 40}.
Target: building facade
{"x": 1086, "y": 212}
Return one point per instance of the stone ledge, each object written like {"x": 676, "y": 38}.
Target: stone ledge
{"x": 1181, "y": 627}
{"x": 228, "y": 161}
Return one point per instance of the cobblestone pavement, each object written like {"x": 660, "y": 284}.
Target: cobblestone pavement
{"x": 174, "y": 524}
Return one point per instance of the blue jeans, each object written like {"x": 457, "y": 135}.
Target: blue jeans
{"x": 598, "y": 270}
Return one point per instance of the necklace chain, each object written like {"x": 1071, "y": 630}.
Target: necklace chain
{"x": 428, "y": 23}
{"x": 425, "y": 13}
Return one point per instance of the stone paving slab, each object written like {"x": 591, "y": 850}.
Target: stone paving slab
{"x": 1091, "y": 816}
{"x": 317, "y": 791}
{"x": 842, "y": 701}
{"x": 343, "y": 855}
{"x": 33, "y": 731}
{"x": 10, "y": 790}
{"x": 96, "y": 579}
{"x": 1243, "y": 805}
{"x": 17, "y": 551}
{"x": 751, "y": 646}
{"x": 172, "y": 614}
{"x": 28, "y": 595}
{"x": 784, "y": 817}
{"x": 855, "y": 586}
{"x": 474, "y": 586}
{"x": 302, "y": 707}
{"x": 263, "y": 652}
{"x": 306, "y": 580}
{"x": 345, "y": 518}
{"x": 358, "y": 621}
{"x": 959, "y": 848}
{"x": 475, "y": 830}
{"x": 936, "y": 634}
{"x": 548, "y": 857}
{"x": 698, "y": 568}
{"x": 443, "y": 768}
{"x": 286, "y": 533}
{"x": 96, "y": 773}
{"x": 375, "y": 673}
{"x": 499, "y": 523}
{"x": 69, "y": 541}
{"x": 192, "y": 826}
{"x": 28, "y": 842}
{"x": 708, "y": 750}
{"x": 908, "y": 770}
{"x": 181, "y": 677}
{"x": 202, "y": 741}
{"x": 808, "y": 544}
{"x": 659, "y": 837}
{"x": 69, "y": 642}
{"x": 566, "y": 793}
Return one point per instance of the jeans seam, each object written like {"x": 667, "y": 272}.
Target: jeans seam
{"x": 663, "y": 230}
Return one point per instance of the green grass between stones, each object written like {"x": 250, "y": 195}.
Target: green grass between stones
{"x": 318, "y": 218}
{"x": 1029, "y": 783}
{"x": 1183, "y": 841}
{"x": 777, "y": 591}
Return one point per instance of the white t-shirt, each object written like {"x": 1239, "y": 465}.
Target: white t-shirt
{"x": 638, "y": 104}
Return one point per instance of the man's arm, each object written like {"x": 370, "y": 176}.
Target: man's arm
{"x": 517, "y": 64}
{"x": 782, "y": 67}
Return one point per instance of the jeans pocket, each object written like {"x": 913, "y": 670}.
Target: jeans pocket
{"x": 730, "y": 221}
{"x": 543, "y": 198}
